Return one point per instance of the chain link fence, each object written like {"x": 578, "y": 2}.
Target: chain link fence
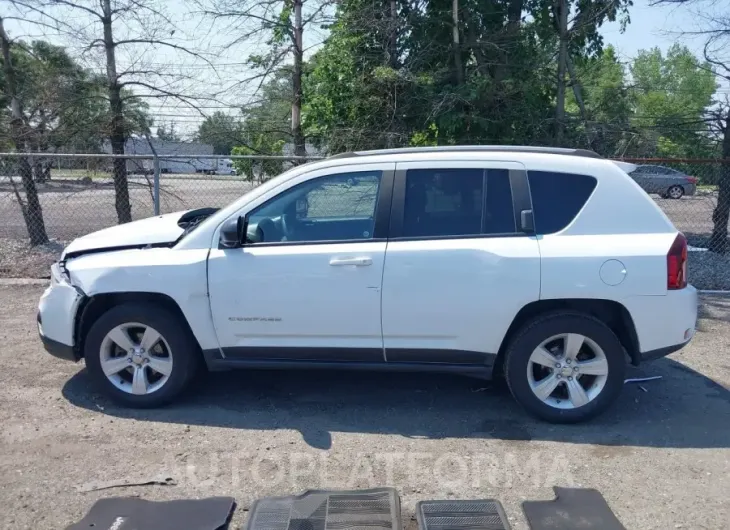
{"x": 67, "y": 196}
{"x": 688, "y": 192}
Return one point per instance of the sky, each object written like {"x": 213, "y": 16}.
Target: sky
{"x": 650, "y": 26}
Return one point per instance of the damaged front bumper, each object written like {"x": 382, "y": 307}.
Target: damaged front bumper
{"x": 57, "y": 315}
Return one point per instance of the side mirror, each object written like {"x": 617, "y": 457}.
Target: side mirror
{"x": 233, "y": 232}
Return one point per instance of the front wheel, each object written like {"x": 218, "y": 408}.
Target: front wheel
{"x": 565, "y": 367}
{"x": 141, "y": 355}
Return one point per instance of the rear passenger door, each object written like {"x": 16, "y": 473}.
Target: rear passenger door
{"x": 458, "y": 266}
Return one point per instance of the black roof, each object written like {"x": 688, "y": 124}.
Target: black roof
{"x": 473, "y": 149}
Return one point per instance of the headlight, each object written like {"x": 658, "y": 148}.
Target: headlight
{"x": 59, "y": 274}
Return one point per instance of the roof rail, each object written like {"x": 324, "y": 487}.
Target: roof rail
{"x": 472, "y": 149}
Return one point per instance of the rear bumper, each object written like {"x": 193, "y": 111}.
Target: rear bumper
{"x": 663, "y": 323}
{"x": 661, "y": 352}
{"x": 690, "y": 189}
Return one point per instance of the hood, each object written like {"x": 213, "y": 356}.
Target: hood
{"x": 156, "y": 231}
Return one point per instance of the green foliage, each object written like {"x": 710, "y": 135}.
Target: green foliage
{"x": 65, "y": 106}
{"x": 222, "y": 131}
{"x": 369, "y": 86}
{"x": 60, "y": 100}
{"x": 271, "y": 116}
{"x": 259, "y": 169}
{"x": 358, "y": 97}
{"x": 426, "y": 138}
{"x": 608, "y": 105}
{"x": 671, "y": 94}
{"x": 284, "y": 23}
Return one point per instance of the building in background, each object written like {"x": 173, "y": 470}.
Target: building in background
{"x": 187, "y": 157}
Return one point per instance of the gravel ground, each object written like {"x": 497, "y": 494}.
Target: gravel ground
{"x": 707, "y": 270}
{"x": 19, "y": 260}
{"x": 661, "y": 457}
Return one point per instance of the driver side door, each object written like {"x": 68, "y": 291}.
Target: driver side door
{"x": 307, "y": 288}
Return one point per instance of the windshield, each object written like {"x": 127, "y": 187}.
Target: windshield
{"x": 248, "y": 196}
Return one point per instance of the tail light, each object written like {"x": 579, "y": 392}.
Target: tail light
{"x": 677, "y": 263}
{"x": 692, "y": 180}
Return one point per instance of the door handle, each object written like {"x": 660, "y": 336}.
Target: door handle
{"x": 357, "y": 262}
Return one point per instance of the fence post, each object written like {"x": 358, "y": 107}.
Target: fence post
{"x": 156, "y": 192}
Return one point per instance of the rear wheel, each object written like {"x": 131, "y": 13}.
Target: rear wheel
{"x": 565, "y": 367}
{"x": 675, "y": 192}
{"x": 141, "y": 355}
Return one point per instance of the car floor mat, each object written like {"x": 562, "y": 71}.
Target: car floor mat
{"x": 572, "y": 509}
{"x": 482, "y": 514}
{"x": 131, "y": 513}
{"x": 372, "y": 509}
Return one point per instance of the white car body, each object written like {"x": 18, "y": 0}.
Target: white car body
{"x": 442, "y": 303}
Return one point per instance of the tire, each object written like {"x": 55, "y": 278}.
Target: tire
{"x": 675, "y": 192}
{"x": 176, "y": 342}
{"x": 597, "y": 335}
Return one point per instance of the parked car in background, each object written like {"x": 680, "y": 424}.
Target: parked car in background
{"x": 664, "y": 181}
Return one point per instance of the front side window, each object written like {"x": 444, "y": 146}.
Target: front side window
{"x": 337, "y": 207}
{"x": 457, "y": 202}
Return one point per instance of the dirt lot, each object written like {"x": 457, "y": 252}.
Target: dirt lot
{"x": 661, "y": 457}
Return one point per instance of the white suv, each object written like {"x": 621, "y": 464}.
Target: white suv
{"x": 549, "y": 267}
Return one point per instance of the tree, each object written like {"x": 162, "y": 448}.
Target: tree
{"x": 266, "y": 124}
{"x": 348, "y": 91}
{"x": 31, "y": 209}
{"x": 671, "y": 96}
{"x": 281, "y": 25}
{"x": 222, "y": 131}
{"x": 264, "y": 168}
{"x": 658, "y": 111}
{"x": 63, "y": 107}
{"x": 459, "y": 73}
{"x": 607, "y": 104}
{"x": 109, "y": 28}
{"x": 715, "y": 28}
{"x": 574, "y": 24}
{"x": 168, "y": 134}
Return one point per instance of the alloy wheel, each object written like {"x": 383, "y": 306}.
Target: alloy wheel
{"x": 675, "y": 192}
{"x": 136, "y": 358}
{"x": 567, "y": 371}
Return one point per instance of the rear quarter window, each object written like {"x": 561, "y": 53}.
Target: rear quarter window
{"x": 557, "y": 198}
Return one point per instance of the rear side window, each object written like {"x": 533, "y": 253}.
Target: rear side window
{"x": 457, "y": 202}
{"x": 557, "y": 198}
